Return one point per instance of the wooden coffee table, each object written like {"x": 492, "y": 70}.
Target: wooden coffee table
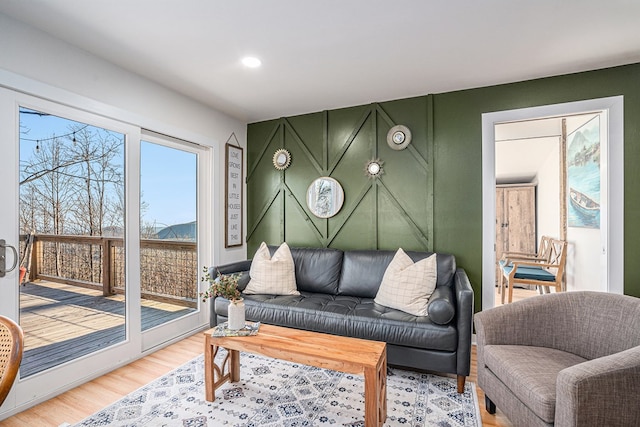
{"x": 349, "y": 355}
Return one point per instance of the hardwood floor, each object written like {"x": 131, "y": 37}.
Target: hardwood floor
{"x": 82, "y": 401}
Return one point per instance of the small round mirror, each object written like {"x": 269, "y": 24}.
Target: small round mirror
{"x": 399, "y": 137}
{"x": 281, "y": 159}
{"x": 373, "y": 168}
{"x": 325, "y": 197}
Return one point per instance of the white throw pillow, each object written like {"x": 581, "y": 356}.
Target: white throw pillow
{"x": 406, "y": 285}
{"x": 272, "y": 275}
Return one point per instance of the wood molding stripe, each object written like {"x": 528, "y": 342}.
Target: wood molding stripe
{"x": 352, "y": 209}
{"x": 264, "y": 149}
{"x": 308, "y": 219}
{"x": 429, "y": 184}
{"x": 349, "y": 141}
{"x": 325, "y": 140}
{"x": 387, "y": 118}
{"x": 288, "y": 126}
{"x": 264, "y": 211}
{"x": 405, "y": 215}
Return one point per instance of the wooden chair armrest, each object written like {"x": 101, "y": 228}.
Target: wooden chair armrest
{"x": 511, "y": 259}
{"x": 534, "y": 264}
{"x": 520, "y": 254}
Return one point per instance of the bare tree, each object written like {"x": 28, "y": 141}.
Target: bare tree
{"x": 73, "y": 184}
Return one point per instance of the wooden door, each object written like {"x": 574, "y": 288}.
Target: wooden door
{"x": 515, "y": 220}
{"x": 520, "y": 215}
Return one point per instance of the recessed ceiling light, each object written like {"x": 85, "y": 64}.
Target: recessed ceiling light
{"x": 251, "y": 62}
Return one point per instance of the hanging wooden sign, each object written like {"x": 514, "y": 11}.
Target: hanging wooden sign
{"x": 233, "y": 196}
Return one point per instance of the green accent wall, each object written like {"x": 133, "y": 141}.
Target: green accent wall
{"x": 430, "y": 196}
{"x": 380, "y": 213}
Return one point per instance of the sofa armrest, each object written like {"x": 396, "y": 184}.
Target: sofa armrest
{"x": 600, "y": 392}
{"x": 234, "y": 267}
{"x": 441, "y": 307}
{"x": 241, "y": 267}
{"x": 464, "y": 320}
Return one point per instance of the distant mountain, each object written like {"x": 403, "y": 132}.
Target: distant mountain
{"x": 186, "y": 231}
{"x": 113, "y": 231}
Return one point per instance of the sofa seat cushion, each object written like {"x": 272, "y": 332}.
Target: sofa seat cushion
{"x": 530, "y": 373}
{"x": 365, "y": 319}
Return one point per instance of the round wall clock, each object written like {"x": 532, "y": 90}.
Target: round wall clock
{"x": 399, "y": 137}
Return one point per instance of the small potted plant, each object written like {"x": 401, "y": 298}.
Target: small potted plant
{"x": 226, "y": 286}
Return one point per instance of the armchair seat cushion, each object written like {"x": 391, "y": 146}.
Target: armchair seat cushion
{"x": 531, "y": 273}
{"x": 530, "y": 373}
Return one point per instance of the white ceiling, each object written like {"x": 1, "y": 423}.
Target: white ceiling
{"x": 329, "y": 54}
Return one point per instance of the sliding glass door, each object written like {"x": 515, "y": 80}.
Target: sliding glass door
{"x": 171, "y": 175}
{"x": 106, "y": 225}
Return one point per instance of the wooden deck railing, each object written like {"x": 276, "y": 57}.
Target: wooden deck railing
{"x": 168, "y": 269}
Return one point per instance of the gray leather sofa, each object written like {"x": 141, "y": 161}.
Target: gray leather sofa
{"x": 337, "y": 290}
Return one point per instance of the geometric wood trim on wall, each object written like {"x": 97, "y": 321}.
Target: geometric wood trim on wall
{"x": 391, "y": 211}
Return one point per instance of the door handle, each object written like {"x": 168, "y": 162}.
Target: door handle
{"x": 3, "y": 258}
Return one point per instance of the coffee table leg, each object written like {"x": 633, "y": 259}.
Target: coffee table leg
{"x": 214, "y": 374}
{"x": 375, "y": 393}
{"x": 234, "y": 369}
{"x": 208, "y": 372}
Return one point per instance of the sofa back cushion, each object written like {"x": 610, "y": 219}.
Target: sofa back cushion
{"x": 363, "y": 270}
{"x": 317, "y": 269}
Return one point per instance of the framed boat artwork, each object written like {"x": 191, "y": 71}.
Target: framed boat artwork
{"x": 583, "y": 175}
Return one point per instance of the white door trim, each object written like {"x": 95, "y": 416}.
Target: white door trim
{"x": 614, "y": 227}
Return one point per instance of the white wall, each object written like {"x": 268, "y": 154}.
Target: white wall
{"x": 29, "y": 57}
{"x": 548, "y": 196}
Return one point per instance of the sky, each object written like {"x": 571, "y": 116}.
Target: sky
{"x": 168, "y": 175}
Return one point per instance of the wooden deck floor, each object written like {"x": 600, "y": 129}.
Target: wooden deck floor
{"x": 62, "y": 322}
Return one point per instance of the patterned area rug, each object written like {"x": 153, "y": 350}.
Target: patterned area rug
{"x": 273, "y": 393}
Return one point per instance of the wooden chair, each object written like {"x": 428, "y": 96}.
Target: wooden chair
{"x": 11, "y": 346}
{"x": 541, "y": 256}
{"x": 547, "y": 271}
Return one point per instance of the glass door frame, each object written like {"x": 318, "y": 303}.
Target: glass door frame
{"x": 192, "y": 321}
{"x": 44, "y": 385}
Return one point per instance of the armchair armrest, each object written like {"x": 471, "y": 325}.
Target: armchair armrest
{"x": 600, "y": 392}
{"x": 464, "y": 320}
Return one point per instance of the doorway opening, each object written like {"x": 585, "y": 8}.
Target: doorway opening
{"x": 521, "y": 148}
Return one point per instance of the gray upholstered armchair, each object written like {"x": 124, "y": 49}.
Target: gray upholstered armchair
{"x": 562, "y": 359}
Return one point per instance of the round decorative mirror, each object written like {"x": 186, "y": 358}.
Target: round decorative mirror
{"x": 281, "y": 159}
{"x": 325, "y": 197}
{"x": 399, "y": 137}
